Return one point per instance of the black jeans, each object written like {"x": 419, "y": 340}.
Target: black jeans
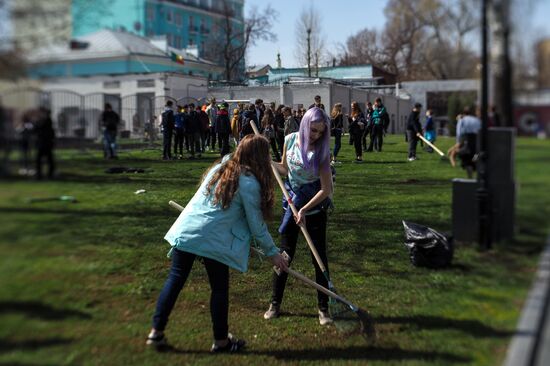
{"x": 316, "y": 225}
{"x": 218, "y": 276}
{"x": 377, "y": 138}
{"x": 337, "y": 142}
{"x": 194, "y": 143}
{"x": 357, "y": 144}
{"x": 167, "y": 144}
{"x": 46, "y": 152}
{"x": 223, "y": 138}
{"x": 178, "y": 141}
{"x": 413, "y": 140}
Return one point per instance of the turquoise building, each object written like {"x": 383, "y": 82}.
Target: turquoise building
{"x": 185, "y": 23}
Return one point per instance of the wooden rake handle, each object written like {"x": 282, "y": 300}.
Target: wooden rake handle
{"x": 293, "y": 273}
{"x": 295, "y": 212}
{"x": 430, "y": 144}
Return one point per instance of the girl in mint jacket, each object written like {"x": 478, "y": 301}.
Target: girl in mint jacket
{"x": 226, "y": 212}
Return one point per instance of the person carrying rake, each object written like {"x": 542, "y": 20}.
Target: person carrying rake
{"x": 230, "y": 206}
{"x": 306, "y": 163}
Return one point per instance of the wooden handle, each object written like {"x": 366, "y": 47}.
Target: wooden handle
{"x": 430, "y": 144}
{"x": 295, "y": 211}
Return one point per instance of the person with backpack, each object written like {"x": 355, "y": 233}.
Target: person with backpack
{"x": 291, "y": 125}
{"x": 179, "y": 128}
{"x": 110, "y": 121}
{"x": 380, "y": 122}
{"x": 223, "y": 127}
{"x": 248, "y": 115}
{"x": 306, "y": 163}
{"x": 212, "y": 112}
{"x": 167, "y": 124}
{"x": 193, "y": 128}
{"x": 231, "y": 206}
{"x": 368, "y": 129}
{"x": 268, "y": 127}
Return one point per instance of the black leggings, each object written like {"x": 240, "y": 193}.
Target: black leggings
{"x": 218, "y": 276}
{"x": 316, "y": 225}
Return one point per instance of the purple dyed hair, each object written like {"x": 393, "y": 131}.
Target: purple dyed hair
{"x": 322, "y": 145}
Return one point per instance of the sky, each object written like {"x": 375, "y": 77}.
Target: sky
{"x": 342, "y": 18}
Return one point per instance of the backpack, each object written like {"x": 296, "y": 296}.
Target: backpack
{"x": 246, "y": 127}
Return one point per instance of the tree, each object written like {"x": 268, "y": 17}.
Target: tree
{"x": 422, "y": 39}
{"x": 231, "y": 37}
{"x": 309, "y": 42}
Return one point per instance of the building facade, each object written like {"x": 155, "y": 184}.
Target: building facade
{"x": 184, "y": 23}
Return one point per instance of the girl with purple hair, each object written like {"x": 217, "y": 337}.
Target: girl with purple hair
{"x": 306, "y": 163}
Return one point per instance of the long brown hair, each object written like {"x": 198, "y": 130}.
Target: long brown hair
{"x": 355, "y": 109}
{"x": 336, "y": 110}
{"x": 252, "y": 157}
{"x": 268, "y": 118}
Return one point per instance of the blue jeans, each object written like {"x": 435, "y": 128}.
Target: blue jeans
{"x": 109, "y": 143}
{"x": 337, "y": 142}
{"x": 218, "y": 276}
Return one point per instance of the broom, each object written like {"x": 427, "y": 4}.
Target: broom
{"x": 347, "y": 317}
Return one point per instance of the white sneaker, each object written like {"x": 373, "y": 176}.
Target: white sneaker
{"x": 272, "y": 312}
{"x": 412, "y": 159}
{"x": 324, "y": 318}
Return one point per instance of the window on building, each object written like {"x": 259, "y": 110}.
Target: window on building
{"x": 178, "y": 19}
{"x": 170, "y": 39}
{"x": 169, "y": 16}
{"x": 191, "y": 42}
{"x": 111, "y": 84}
{"x": 150, "y": 12}
{"x": 147, "y": 83}
{"x": 191, "y": 23}
{"x": 177, "y": 42}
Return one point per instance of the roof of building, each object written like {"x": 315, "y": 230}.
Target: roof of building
{"x": 336, "y": 72}
{"x": 105, "y": 43}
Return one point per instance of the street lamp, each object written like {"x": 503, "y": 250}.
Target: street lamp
{"x": 309, "y": 52}
{"x": 482, "y": 193}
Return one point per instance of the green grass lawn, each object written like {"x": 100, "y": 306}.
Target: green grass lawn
{"x": 79, "y": 281}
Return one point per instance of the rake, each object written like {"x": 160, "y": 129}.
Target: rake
{"x": 348, "y": 318}
{"x": 443, "y": 157}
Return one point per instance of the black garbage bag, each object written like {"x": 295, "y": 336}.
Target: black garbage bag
{"x": 427, "y": 247}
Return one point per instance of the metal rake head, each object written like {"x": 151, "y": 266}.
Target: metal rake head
{"x": 352, "y": 321}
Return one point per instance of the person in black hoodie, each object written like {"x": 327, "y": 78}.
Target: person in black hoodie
{"x": 45, "y": 137}
{"x": 413, "y": 128}
{"x": 223, "y": 127}
{"x": 167, "y": 124}
{"x": 193, "y": 130}
{"x": 110, "y": 121}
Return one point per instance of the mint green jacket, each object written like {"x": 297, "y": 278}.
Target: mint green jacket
{"x": 209, "y": 231}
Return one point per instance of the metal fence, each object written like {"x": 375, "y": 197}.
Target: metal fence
{"x": 78, "y": 116}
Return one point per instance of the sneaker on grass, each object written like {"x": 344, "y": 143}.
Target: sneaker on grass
{"x": 233, "y": 345}
{"x": 272, "y": 312}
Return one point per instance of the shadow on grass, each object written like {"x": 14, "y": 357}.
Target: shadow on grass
{"x": 62, "y": 211}
{"x": 350, "y": 353}
{"x": 473, "y": 327}
{"x": 34, "y": 309}
{"x": 32, "y": 344}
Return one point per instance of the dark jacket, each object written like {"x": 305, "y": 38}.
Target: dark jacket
{"x": 337, "y": 123}
{"x": 168, "y": 120}
{"x": 413, "y": 123}
{"x": 223, "y": 124}
{"x": 110, "y": 120}
{"x": 205, "y": 121}
{"x": 45, "y": 134}
{"x": 193, "y": 123}
{"x": 355, "y": 127}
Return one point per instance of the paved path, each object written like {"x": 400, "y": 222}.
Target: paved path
{"x": 530, "y": 345}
